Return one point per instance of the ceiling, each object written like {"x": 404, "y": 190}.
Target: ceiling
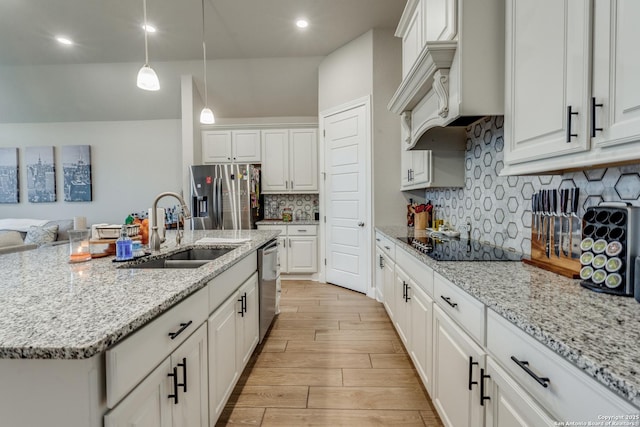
{"x": 107, "y": 31}
{"x": 259, "y": 63}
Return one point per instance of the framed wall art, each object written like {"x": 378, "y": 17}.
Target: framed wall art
{"x": 76, "y": 167}
{"x": 41, "y": 174}
{"x": 9, "y": 176}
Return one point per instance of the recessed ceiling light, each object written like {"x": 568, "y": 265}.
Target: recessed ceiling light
{"x": 150, "y": 28}
{"x": 64, "y": 40}
{"x": 302, "y": 23}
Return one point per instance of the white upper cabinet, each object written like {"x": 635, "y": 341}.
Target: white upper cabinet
{"x": 231, "y": 146}
{"x": 290, "y": 162}
{"x": 412, "y": 40}
{"x": 548, "y": 76}
{"x": 573, "y": 98}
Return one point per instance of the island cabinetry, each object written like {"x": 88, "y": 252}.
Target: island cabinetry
{"x": 560, "y": 387}
{"x": 233, "y": 336}
{"x": 129, "y": 361}
{"x": 231, "y": 146}
{"x": 173, "y": 395}
{"x": 290, "y": 161}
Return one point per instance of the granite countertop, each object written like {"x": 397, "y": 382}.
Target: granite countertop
{"x": 598, "y": 333}
{"x": 294, "y": 222}
{"x": 55, "y": 310}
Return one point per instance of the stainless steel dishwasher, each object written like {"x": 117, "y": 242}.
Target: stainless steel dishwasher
{"x": 268, "y": 278}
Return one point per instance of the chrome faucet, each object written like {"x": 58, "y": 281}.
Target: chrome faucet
{"x": 154, "y": 241}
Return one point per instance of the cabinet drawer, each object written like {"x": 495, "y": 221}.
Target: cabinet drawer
{"x": 417, "y": 270}
{"x": 462, "y": 307}
{"x": 570, "y": 394}
{"x": 302, "y": 230}
{"x": 129, "y": 361}
{"x": 386, "y": 245}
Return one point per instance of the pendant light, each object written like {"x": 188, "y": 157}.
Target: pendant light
{"x": 147, "y": 78}
{"x": 206, "y": 115}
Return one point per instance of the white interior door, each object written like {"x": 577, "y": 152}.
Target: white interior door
{"x": 347, "y": 250}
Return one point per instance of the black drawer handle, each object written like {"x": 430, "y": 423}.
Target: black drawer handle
{"x": 594, "y": 128}
{"x": 448, "y": 301}
{"x": 570, "y": 115}
{"x": 184, "y": 374}
{"x": 174, "y": 396}
{"x": 387, "y": 248}
{"x": 525, "y": 366}
{"x": 183, "y": 326}
{"x": 471, "y": 363}
{"x": 482, "y": 378}
{"x": 303, "y": 231}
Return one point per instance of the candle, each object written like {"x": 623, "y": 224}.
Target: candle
{"x": 79, "y": 246}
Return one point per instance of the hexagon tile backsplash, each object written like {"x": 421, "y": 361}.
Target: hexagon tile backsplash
{"x": 303, "y": 206}
{"x": 499, "y": 208}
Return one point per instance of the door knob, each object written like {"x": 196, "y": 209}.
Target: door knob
{"x": 360, "y": 224}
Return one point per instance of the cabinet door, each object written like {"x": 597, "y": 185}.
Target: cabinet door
{"x": 412, "y": 41}
{"x": 191, "y": 360}
{"x": 457, "y": 361}
{"x": 389, "y": 287}
{"x": 509, "y": 405}
{"x": 275, "y": 164}
{"x": 223, "y": 372}
{"x": 548, "y": 69}
{"x": 282, "y": 254}
{"x": 303, "y": 155}
{"x": 216, "y": 146}
{"x": 421, "y": 334}
{"x": 148, "y": 405}
{"x": 302, "y": 255}
{"x": 379, "y": 275}
{"x": 401, "y": 319}
{"x": 248, "y": 334}
{"x": 406, "y": 163}
{"x": 246, "y": 146}
{"x": 421, "y": 167}
{"x": 616, "y": 67}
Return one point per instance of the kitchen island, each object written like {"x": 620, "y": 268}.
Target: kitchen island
{"x": 597, "y": 333}
{"x": 59, "y": 319}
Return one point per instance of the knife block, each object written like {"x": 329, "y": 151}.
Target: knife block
{"x": 560, "y": 264}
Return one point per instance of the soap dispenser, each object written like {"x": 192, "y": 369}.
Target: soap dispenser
{"x": 124, "y": 246}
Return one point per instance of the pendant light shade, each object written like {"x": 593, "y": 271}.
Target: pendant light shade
{"x": 206, "y": 115}
{"x": 147, "y": 78}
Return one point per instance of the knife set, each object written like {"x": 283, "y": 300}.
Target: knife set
{"x": 556, "y": 231}
{"x": 611, "y": 236}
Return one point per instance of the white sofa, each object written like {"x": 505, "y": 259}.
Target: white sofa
{"x": 14, "y": 231}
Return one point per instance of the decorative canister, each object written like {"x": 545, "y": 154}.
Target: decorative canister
{"x": 287, "y": 215}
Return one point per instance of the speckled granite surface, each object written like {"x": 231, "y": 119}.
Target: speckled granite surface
{"x": 598, "y": 333}
{"x": 280, "y": 222}
{"x": 51, "y": 309}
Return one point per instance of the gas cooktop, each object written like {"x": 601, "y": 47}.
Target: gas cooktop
{"x": 460, "y": 250}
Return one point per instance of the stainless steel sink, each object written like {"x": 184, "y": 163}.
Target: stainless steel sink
{"x": 190, "y": 258}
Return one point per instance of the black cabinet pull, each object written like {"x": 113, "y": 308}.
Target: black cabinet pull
{"x": 174, "y": 396}
{"x": 184, "y": 374}
{"x": 381, "y": 262}
{"x": 482, "y": 378}
{"x": 525, "y": 366}
{"x": 406, "y": 295}
{"x": 448, "y": 301}
{"x": 183, "y": 326}
{"x": 570, "y": 115}
{"x": 404, "y": 290}
{"x": 471, "y": 364}
{"x": 594, "y": 129}
{"x": 241, "y": 301}
{"x": 244, "y": 304}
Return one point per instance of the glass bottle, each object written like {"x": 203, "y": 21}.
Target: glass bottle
{"x": 124, "y": 246}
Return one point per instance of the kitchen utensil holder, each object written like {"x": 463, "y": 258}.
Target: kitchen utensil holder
{"x": 614, "y": 223}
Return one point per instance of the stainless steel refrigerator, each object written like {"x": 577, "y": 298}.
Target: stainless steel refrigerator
{"x": 225, "y": 197}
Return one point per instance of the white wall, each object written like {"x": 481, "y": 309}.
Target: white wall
{"x": 132, "y": 162}
{"x": 346, "y": 74}
{"x": 389, "y": 201}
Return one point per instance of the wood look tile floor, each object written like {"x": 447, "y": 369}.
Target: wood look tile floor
{"x": 332, "y": 358}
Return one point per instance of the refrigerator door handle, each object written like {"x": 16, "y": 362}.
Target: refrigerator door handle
{"x": 219, "y": 202}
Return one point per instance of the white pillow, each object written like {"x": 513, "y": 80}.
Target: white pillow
{"x": 21, "y": 224}
{"x": 10, "y": 238}
{"x": 41, "y": 235}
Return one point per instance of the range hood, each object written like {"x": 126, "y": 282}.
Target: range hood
{"x": 453, "y": 83}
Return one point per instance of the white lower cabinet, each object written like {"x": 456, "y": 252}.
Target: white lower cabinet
{"x": 403, "y": 284}
{"x": 509, "y": 405}
{"x": 457, "y": 364}
{"x": 389, "y": 285}
{"x": 233, "y": 335}
{"x": 174, "y": 394}
{"x": 421, "y": 334}
{"x": 297, "y": 247}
